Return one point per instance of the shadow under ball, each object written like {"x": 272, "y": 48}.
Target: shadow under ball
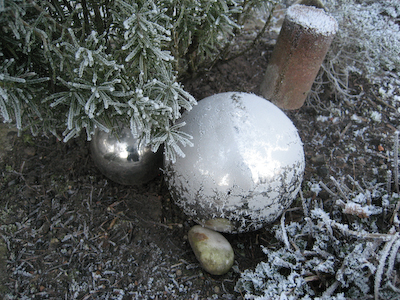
{"x": 121, "y": 158}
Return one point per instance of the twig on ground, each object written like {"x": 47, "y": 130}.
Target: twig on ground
{"x": 339, "y": 188}
{"x": 356, "y": 184}
{"x": 395, "y": 217}
{"x": 392, "y": 258}
{"x": 306, "y": 210}
{"x": 396, "y": 161}
{"x": 344, "y": 130}
{"x": 284, "y": 233}
{"x": 329, "y": 291}
{"x": 382, "y": 261}
{"x": 361, "y": 234}
{"x": 389, "y": 181}
{"x": 327, "y": 189}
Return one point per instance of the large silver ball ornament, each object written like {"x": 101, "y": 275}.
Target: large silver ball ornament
{"x": 122, "y": 159}
{"x": 246, "y": 166}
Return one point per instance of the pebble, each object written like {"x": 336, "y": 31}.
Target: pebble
{"x": 212, "y": 250}
{"x": 30, "y": 151}
{"x": 54, "y": 242}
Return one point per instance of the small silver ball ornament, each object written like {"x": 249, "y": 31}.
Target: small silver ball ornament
{"x": 122, "y": 159}
{"x": 246, "y": 166}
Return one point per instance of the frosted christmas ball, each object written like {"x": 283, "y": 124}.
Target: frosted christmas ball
{"x": 245, "y": 168}
{"x": 122, "y": 159}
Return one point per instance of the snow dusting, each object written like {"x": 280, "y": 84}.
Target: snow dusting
{"x": 312, "y": 18}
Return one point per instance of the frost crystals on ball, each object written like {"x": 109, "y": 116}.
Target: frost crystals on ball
{"x": 245, "y": 168}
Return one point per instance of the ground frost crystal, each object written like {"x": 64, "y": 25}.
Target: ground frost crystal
{"x": 367, "y": 43}
{"x": 353, "y": 262}
{"x": 382, "y": 260}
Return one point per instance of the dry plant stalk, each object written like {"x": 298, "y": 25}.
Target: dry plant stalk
{"x": 395, "y": 218}
{"x": 396, "y": 161}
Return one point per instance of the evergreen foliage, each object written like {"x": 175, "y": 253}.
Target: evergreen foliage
{"x": 74, "y": 65}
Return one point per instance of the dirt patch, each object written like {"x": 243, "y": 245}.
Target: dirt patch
{"x": 70, "y": 233}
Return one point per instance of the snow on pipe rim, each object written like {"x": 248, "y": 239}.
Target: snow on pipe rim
{"x": 312, "y": 18}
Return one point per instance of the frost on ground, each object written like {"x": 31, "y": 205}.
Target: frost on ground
{"x": 89, "y": 241}
{"x": 352, "y": 259}
{"x": 346, "y": 247}
{"x": 367, "y": 43}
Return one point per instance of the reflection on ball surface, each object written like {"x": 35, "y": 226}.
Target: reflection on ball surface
{"x": 245, "y": 168}
{"x": 122, "y": 159}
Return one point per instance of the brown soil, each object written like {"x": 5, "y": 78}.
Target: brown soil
{"x": 70, "y": 233}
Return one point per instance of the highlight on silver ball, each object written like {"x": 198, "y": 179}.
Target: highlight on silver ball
{"x": 122, "y": 159}
{"x": 246, "y": 166}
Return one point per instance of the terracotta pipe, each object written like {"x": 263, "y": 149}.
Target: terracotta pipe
{"x": 302, "y": 44}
